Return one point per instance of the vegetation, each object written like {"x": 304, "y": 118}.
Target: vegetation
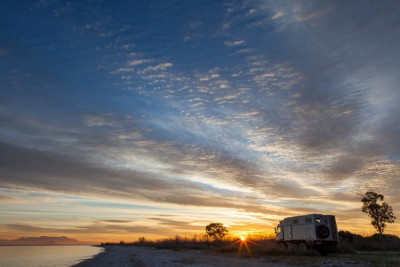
{"x": 264, "y": 244}
{"x": 352, "y": 247}
{"x": 350, "y": 242}
{"x": 218, "y": 239}
{"x": 381, "y": 214}
{"x": 216, "y": 230}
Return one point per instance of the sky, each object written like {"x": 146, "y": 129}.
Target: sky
{"x": 154, "y": 118}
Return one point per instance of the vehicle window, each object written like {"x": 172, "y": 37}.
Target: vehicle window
{"x": 318, "y": 220}
{"x": 278, "y": 230}
{"x": 295, "y": 221}
{"x": 308, "y": 220}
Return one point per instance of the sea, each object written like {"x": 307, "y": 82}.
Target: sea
{"x": 45, "y": 256}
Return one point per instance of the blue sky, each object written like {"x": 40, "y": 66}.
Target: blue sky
{"x": 236, "y": 111}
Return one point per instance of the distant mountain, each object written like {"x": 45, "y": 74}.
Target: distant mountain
{"x": 41, "y": 241}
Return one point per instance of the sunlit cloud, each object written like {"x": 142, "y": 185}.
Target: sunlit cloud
{"x": 277, "y": 15}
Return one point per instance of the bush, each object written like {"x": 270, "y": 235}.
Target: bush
{"x": 350, "y": 242}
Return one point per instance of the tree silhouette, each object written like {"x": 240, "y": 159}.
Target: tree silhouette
{"x": 379, "y": 213}
{"x": 216, "y": 230}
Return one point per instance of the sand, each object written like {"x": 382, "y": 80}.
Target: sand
{"x": 149, "y": 257}
{"x": 139, "y": 256}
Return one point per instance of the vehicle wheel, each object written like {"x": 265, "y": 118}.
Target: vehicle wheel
{"x": 323, "y": 231}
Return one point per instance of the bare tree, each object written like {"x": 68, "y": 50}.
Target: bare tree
{"x": 381, "y": 214}
{"x": 216, "y": 230}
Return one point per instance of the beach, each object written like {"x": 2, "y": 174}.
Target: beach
{"x": 139, "y": 256}
{"x": 123, "y": 256}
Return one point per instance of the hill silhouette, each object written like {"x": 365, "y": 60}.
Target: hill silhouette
{"x": 40, "y": 241}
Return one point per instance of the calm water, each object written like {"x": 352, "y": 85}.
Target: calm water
{"x": 34, "y": 256}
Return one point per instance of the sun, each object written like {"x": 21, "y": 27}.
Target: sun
{"x": 242, "y": 238}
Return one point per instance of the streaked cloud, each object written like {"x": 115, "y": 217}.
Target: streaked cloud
{"x": 234, "y": 43}
{"x": 277, "y": 15}
{"x": 141, "y": 61}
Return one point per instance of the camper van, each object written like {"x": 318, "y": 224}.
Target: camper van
{"x": 308, "y": 231}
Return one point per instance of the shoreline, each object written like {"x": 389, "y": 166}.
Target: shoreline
{"x": 93, "y": 258}
{"x": 48, "y": 245}
{"x": 127, "y": 256}
{"x": 112, "y": 256}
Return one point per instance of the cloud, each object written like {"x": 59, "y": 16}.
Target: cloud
{"x": 234, "y": 43}
{"x": 175, "y": 224}
{"x": 312, "y": 14}
{"x": 138, "y": 62}
{"x": 63, "y": 173}
{"x": 289, "y": 121}
{"x": 116, "y": 221}
{"x": 9, "y": 199}
{"x": 124, "y": 69}
{"x": 127, "y": 46}
{"x": 161, "y": 66}
{"x": 105, "y": 34}
{"x": 277, "y": 15}
{"x": 101, "y": 120}
{"x": 345, "y": 167}
{"x": 94, "y": 228}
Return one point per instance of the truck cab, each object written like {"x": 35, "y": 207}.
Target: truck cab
{"x": 278, "y": 232}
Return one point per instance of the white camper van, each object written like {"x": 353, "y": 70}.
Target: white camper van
{"x": 308, "y": 231}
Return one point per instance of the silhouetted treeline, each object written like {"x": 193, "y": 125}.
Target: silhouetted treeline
{"x": 265, "y": 244}
{"x": 354, "y": 242}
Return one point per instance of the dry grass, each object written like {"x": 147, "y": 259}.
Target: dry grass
{"x": 265, "y": 244}
{"x": 353, "y": 250}
{"x": 255, "y": 245}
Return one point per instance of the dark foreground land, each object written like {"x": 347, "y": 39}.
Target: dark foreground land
{"x": 144, "y": 256}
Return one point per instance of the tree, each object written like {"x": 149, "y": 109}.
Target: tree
{"x": 379, "y": 213}
{"x": 216, "y": 230}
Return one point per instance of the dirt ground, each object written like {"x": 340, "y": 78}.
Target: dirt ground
{"x": 139, "y": 256}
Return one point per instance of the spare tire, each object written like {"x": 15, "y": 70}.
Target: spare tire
{"x": 323, "y": 231}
